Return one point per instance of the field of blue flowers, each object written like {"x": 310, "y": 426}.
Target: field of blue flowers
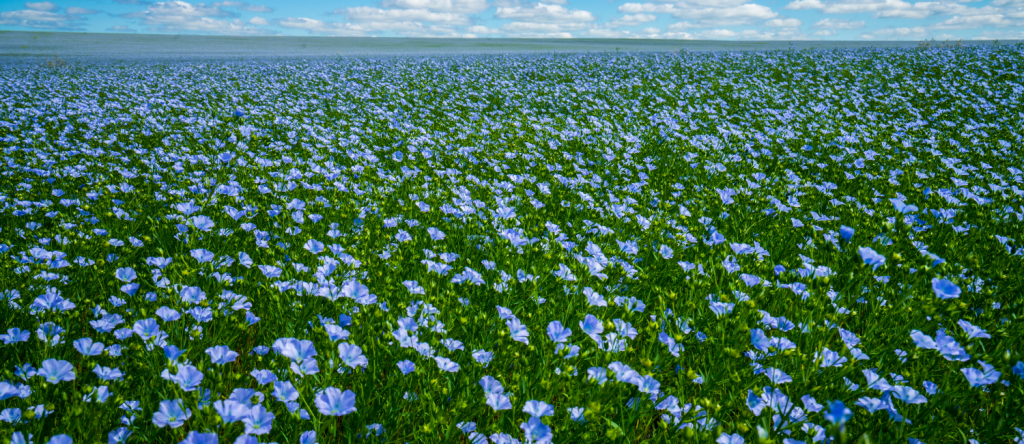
{"x": 770, "y": 247}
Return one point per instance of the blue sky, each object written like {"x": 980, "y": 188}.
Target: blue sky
{"x": 666, "y": 19}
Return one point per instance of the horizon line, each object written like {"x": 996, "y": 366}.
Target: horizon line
{"x": 478, "y": 38}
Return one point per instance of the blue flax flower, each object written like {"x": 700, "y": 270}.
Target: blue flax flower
{"x": 55, "y": 371}
{"x": 557, "y": 332}
{"x": 171, "y": 413}
{"x": 976, "y": 378}
{"x": 846, "y": 233}
{"x": 944, "y": 289}
{"x": 592, "y": 326}
{"x": 334, "y": 402}
{"x": 87, "y": 347}
{"x": 60, "y": 439}
{"x": 838, "y": 413}
{"x": 777, "y": 376}
{"x": 230, "y": 410}
{"x": 308, "y": 437}
{"x": 1018, "y": 369}
{"x": 263, "y": 376}
{"x": 447, "y": 365}
{"x": 285, "y": 391}
{"x": 195, "y": 437}
{"x": 221, "y": 354}
{"x": 259, "y": 421}
{"x": 118, "y": 435}
{"x": 871, "y": 257}
{"x": 15, "y": 335}
{"x": 536, "y": 431}
{"x": 188, "y": 377}
{"x": 726, "y": 438}
{"x": 576, "y": 414}
{"x": 498, "y": 401}
{"x": 908, "y": 395}
{"x": 538, "y": 408}
{"x": 294, "y": 349}
{"x": 406, "y": 366}
{"x": 352, "y": 355}
{"x": 518, "y": 331}
{"x": 973, "y": 331}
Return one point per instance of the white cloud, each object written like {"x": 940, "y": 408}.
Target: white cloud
{"x": 534, "y": 27}
{"x": 634, "y": 8}
{"x": 921, "y": 10}
{"x": 547, "y": 29}
{"x": 750, "y": 10}
{"x": 825, "y": 33}
{"x": 631, "y": 20}
{"x": 410, "y": 29}
{"x": 892, "y": 8}
{"x": 710, "y": 3}
{"x": 673, "y": 32}
{"x": 638, "y": 18}
{"x": 342, "y": 29}
{"x": 678, "y": 36}
{"x": 457, "y": 6}
{"x": 121, "y": 28}
{"x": 1000, "y": 35}
{"x": 368, "y": 14}
{"x": 410, "y": 16}
{"x": 42, "y": 6}
{"x": 977, "y": 21}
{"x": 179, "y": 16}
{"x": 321, "y": 27}
{"x": 784, "y": 23}
{"x": 543, "y": 35}
{"x": 243, "y": 6}
{"x": 259, "y": 21}
{"x": 831, "y": 23}
{"x": 669, "y": 6}
{"x": 788, "y": 34}
{"x": 34, "y": 18}
{"x": 705, "y": 12}
{"x": 178, "y": 8}
{"x": 546, "y": 13}
{"x": 477, "y": 29}
{"x": 602, "y": 33}
{"x": 750, "y": 34}
{"x": 849, "y": 6}
{"x": 553, "y": 35}
{"x": 681, "y": 25}
{"x": 914, "y": 33}
{"x": 718, "y": 34}
{"x": 434, "y": 31}
{"x": 74, "y": 10}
